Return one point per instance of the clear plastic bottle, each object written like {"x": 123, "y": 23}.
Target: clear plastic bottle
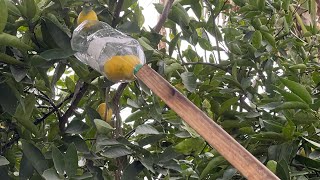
{"x": 107, "y": 50}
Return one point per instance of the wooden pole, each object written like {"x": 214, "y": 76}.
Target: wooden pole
{"x": 228, "y": 147}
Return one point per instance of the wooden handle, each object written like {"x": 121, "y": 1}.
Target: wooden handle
{"x": 228, "y": 147}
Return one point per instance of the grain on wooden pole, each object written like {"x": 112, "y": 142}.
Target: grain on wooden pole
{"x": 227, "y": 146}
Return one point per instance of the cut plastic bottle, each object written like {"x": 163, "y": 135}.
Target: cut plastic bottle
{"x": 107, "y": 50}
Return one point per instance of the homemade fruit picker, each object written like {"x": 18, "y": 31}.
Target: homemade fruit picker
{"x": 120, "y": 58}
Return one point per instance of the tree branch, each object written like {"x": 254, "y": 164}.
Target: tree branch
{"x": 48, "y": 99}
{"x": 39, "y": 120}
{"x": 214, "y": 21}
{"x": 164, "y": 16}
{"x": 16, "y": 135}
{"x": 118, "y": 132}
{"x": 204, "y": 63}
{"x": 117, "y": 13}
{"x": 116, "y": 108}
{"x": 13, "y": 140}
{"x": 76, "y": 98}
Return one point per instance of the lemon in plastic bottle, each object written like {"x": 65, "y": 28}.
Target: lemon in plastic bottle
{"x": 120, "y": 68}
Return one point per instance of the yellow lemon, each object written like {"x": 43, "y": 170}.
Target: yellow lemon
{"x": 86, "y": 14}
{"x": 102, "y": 112}
{"x": 120, "y": 68}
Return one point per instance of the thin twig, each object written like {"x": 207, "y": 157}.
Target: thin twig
{"x": 13, "y": 140}
{"x": 117, "y": 13}
{"x": 214, "y": 16}
{"x": 118, "y": 129}
{"x": 76, "y": 98}
{"x": 204, "y": 63}
{"x": 107, "y": 105}
{"x": 116, "y": 108}
{"x": 39, "y": 120}
{"x": 164, "y": 16}
{"x": 49, "y": 100}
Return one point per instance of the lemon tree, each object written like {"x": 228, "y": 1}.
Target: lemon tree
{"x": 250, "y": 65}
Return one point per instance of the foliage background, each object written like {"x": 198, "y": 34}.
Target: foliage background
{"x": 266, "y": 94}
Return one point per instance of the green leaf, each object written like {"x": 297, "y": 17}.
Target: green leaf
{"x": 135, "y": 116}
{"x": 189, "y": 81}
{"x": 304, "y": 117}
{"x": 282, "y": 170}
{"x": 51, "y": 174}
{"x": 58, "y": 35}
{"x": 31, "y": 8}
{"x": 173, "y": 43}
{"x": 4, "y": 172}
{"x": 4, "y": 58}
{"x": 146, "y": 129}
{"x": 13, "y": 41}
{"x": 288, "y": 130}
{"x": 235, "y": 71}
{"x": 76, "y": 127}
{"x": 317, "y": 145}
{"x": 23, "y": 116}
{"x": 229, "y": 173}
{"x": 132, "y": 170}
{"x": 57, "y": 53}
{"x": 9, "y": 101}
{"x": 18, "y": 73}
{"x": 234, "y": 48}
{"x": 71, "y": 160}
{"x": 116, "y": 151}
{"x": 3, "y": 161}
{"x": 195, "y": 6}
{"x": 285, "y": 4}
{"x": 26, "y": 168}
{"x": 70, "y": 84}
{"x": 138, "y": 16}
{"x": 81, "y": 69}
{"x": 12, "y": 9}
{"x": 261, "y": 4}
{"x": 58, "y": 160}
{"x": 78, "y": 142}
{"x": 298, "y": 66}
{"x": 308, "y": 162}
{"x": 230, "y": 124}
{"x": 179, "y": 15}
{"x": 288, "y": 96}
{"x": 232, "y": 81}
{"x": 292, "y": 105}
{"x": 269, "y": 38}
{"x": 3, "y": 15}
{"x": 54, "y": 19}
{"x": 85, "y": 176}
{"x": 269, "y": 136}
{"x": 215, "y": 162}
{"x": 213, "y": 29}
{"x": 227, "y": 104}
{"x": 205, "y": 44}
{"x": 298, "y": 89}
{"x": 102, "y": 126}
{"x": 35, "y": 156}
{"x": 256, "y": 39}
{"x": 58, "y": 72}
{"x": 190, "y": 145}
{"x": 172, "y": 67}
{"x": 129, "y": 27}
{"x": 272, "y": 126}
{"x": 270, "y": 106}
{"x": 106, "y": 141}
{"x": 272, "y": 165}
